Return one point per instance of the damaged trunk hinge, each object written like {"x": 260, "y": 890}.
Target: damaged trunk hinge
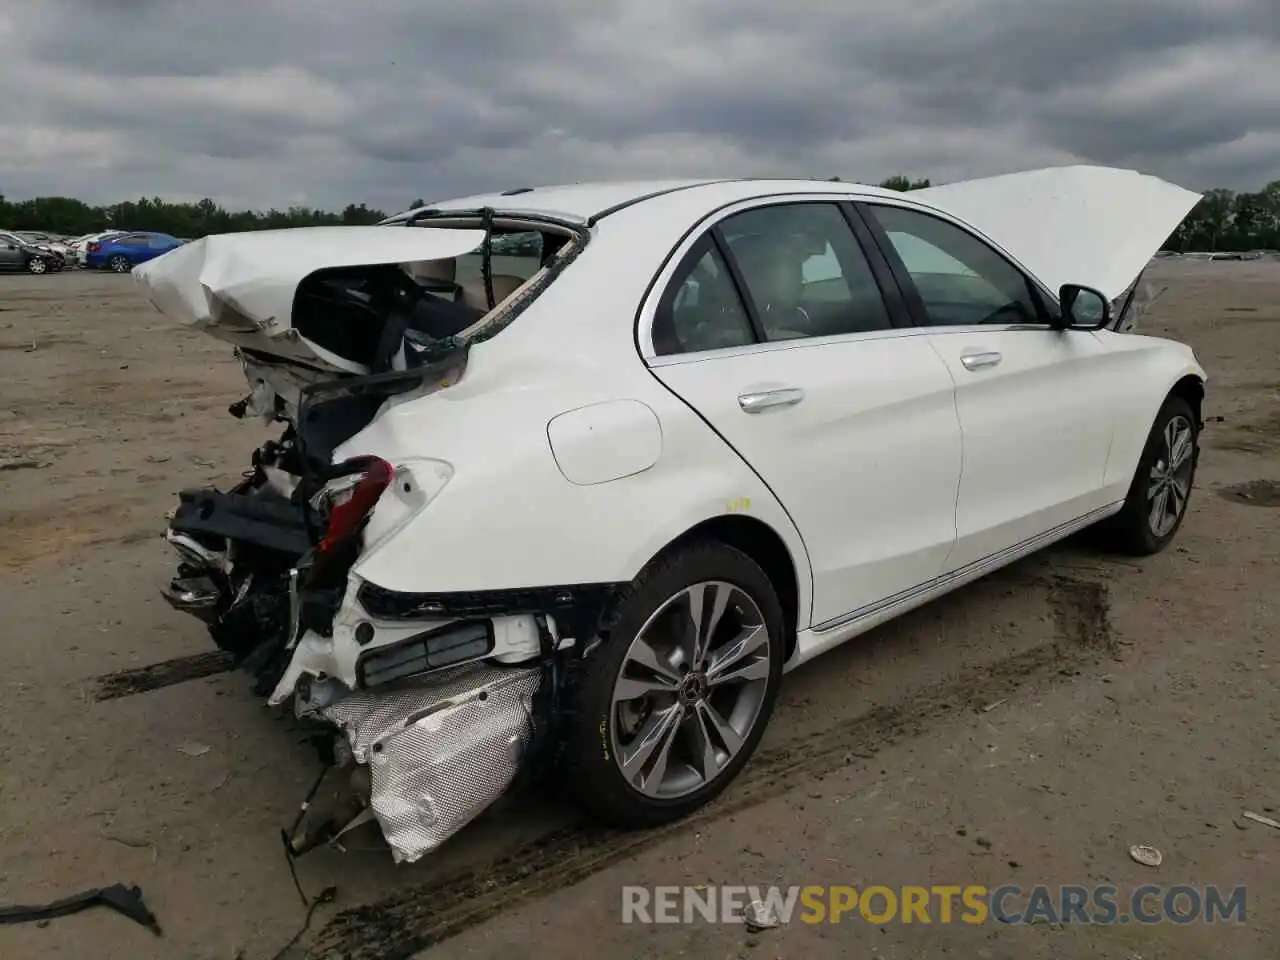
{"x": 486, "y": 257}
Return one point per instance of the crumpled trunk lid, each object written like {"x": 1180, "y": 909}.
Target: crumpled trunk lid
{"x": 1096, "y": 226}
{"x": 242, "y": 287}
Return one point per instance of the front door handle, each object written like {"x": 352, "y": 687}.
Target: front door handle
{"x": 976, "y": 361}
{"x": 764, "y": 399}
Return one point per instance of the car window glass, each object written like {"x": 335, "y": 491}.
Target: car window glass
{"x": 805, "y": 272}
{"x": 131, "y": 241}
{"x": 514, "y": 255}
{"x": 961, "y": 279}
{"x": 701, "y": 309}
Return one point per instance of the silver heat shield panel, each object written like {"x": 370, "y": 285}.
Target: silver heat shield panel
{"x": 439, "y": 752}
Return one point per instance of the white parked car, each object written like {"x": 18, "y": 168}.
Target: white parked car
{"x": 586, "y": 512}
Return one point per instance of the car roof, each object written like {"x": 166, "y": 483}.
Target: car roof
{"x": 589, "y": 202}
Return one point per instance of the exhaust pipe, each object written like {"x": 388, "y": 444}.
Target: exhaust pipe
{"x": 197, "y": 596}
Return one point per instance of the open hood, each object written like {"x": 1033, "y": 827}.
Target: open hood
{"x": 240, "y": 287}
{"x": 1096, "y": 226}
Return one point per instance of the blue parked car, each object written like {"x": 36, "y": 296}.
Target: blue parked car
{"x": 125, "y": 251}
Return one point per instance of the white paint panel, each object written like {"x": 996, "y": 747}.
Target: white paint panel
{"x": 867, "y": 462}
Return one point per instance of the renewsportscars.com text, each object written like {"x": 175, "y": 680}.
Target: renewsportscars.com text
{"x": 971, "y": 903}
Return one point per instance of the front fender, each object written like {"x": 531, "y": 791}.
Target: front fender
{"x": 1153, "y": 367}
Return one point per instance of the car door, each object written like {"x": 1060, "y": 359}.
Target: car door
{"x": 10, "y": 252}
{"x": 774, "y": 328}
{"x": 155, "y": 245}
{"x": 135, "y": 247}
{"x": 1033, "y": 401}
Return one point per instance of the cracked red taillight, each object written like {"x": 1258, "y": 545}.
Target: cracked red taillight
{"x": 345, "y": 502}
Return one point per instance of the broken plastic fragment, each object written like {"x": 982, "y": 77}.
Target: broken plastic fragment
{"x": 1259, "y": 818}
{"x": 760, "y": 916}
{"x": 1146, "y": 855}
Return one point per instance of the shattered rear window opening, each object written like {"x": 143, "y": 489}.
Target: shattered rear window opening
{"x": 382, "y": 317}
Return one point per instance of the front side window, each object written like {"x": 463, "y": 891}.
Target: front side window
{"x": 804, "y": 271}
{"x": 961, "y": 279}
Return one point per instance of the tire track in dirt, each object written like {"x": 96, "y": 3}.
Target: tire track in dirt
{"x": 424, "y": 915}
{"x": 126, "y": 683}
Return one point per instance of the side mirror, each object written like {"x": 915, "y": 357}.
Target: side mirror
{"x": 1083, "y": 308}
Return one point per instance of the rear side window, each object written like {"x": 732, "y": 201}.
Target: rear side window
{"x": 805, "y": 271}
{"x": 701, "y": 309}
{"x": 794, "y": 270}
{"x": 129, "y": 241}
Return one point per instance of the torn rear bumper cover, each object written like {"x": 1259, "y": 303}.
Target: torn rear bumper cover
{"x": 439, "y": 753}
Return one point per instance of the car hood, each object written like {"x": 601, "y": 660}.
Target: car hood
{"x": 1096, "y": 226}
{"x": 240, "y": 287}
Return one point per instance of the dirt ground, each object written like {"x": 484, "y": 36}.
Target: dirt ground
{"x": 1028, "y": 729}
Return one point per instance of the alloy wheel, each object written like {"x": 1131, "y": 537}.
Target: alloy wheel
{"x": 1170, "y": 484}
{"x": 37, "y": 265}
{"x": 690, "y": 690}
{"x": 120, "y": 265}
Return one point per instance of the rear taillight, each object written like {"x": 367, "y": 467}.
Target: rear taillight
{"x": 93, "y": 247}
{"x": 345, "y": 502}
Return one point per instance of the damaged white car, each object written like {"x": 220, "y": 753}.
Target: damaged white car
{"x": 570, "y": 476}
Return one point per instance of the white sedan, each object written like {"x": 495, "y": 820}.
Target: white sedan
{"x": 698, "y": 433}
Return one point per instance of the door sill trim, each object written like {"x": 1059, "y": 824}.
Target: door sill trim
{"x": 970, "y": 571}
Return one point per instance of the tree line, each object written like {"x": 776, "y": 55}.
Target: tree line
{"x": 1223, "y": 220}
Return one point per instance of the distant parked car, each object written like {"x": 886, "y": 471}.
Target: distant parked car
{"x": 44, "y": 241}
{"x": 123, "y": 252}
{"x": 18, "y": 253}
{"x": 73, "y": 249}
{"x": 82, "y": 245}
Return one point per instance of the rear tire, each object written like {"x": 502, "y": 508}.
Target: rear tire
{"x": 707, "y": 695}
{"x": 120, "y": 264}
{"x": 1158, "y": 496}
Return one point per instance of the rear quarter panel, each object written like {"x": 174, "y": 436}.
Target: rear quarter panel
{"x": 509, "y": 517}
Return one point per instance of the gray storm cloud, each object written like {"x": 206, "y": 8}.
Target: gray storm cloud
{"x": 271, "y": 102}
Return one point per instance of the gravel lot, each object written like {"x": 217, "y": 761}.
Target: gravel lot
{"x": 1027, "y": 729}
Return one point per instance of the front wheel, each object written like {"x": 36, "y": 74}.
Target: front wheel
{"x": 670, "y": 707}
{"x": 37, "y": 265}
{"x": 1161, "y": 489}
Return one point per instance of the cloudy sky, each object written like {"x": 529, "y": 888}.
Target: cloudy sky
{"x": 326, "y": 102}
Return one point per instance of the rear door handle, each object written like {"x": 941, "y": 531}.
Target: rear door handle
{"x": 976, "y": 361}
{"x": 764, "y": 399}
